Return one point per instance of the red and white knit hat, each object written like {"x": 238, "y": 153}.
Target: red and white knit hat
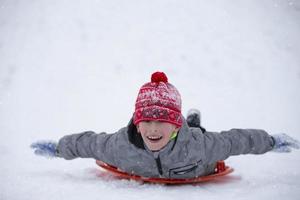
{"x": 158, "y": 100}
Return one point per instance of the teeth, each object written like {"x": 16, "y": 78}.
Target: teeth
{"x": 154, "y": 137}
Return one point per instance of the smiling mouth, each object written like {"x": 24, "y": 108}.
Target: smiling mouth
{"x": 154, "y": 138}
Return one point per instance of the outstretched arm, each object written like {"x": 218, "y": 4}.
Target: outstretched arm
{"x": 220, "y": 146}
{"x": 84, "y": 145}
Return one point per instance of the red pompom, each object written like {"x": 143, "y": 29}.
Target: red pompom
{"x": 159, "y": 77}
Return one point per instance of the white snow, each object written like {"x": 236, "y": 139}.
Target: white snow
{"x": 72, "y": 66}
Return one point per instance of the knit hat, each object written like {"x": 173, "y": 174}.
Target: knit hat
{"x": 158, "y": 100}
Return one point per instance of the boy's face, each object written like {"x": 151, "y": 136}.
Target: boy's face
{"x": 156, "y": 134}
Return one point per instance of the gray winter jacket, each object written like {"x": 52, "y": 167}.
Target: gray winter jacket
{"x": 191, "y": 154}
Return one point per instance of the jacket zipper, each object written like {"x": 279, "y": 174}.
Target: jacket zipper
{"x": 158, "y": 163}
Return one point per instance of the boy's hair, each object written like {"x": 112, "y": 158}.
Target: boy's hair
{"x": 158, "y": 100}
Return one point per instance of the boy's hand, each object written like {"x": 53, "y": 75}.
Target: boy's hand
{"x": 283, "y": 143}
{"x": 45, "y": 148}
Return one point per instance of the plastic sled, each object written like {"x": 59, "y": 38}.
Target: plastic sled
{"x": 220, "y": 170}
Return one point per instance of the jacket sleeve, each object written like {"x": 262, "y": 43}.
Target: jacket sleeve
{"x": 219, "y": 146}
{"x": 88, "y": 145}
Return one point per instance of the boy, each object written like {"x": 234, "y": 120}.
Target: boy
{"x": 158, "y": 142}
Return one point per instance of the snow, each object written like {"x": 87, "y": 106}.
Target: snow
{"x": 72, "y": 66}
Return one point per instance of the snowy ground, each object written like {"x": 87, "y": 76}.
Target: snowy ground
{"x": 71, "y": 66}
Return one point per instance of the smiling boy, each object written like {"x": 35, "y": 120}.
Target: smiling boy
{"x": 156, "y": 134}
{"x": 158, "y": 142}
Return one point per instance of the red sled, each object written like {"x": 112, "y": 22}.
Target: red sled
{"x": 220, "y": 170}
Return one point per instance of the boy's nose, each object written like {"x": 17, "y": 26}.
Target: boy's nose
{"x": 153, "y": 127}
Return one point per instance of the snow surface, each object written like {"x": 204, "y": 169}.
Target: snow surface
{"x": 72, "y": 66}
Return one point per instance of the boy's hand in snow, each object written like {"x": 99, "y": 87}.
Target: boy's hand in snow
{"x": 283, "y": 143}
{"x": 45, "y": 148}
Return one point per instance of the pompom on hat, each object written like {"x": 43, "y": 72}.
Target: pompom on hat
{"x": 158, "y": 100}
